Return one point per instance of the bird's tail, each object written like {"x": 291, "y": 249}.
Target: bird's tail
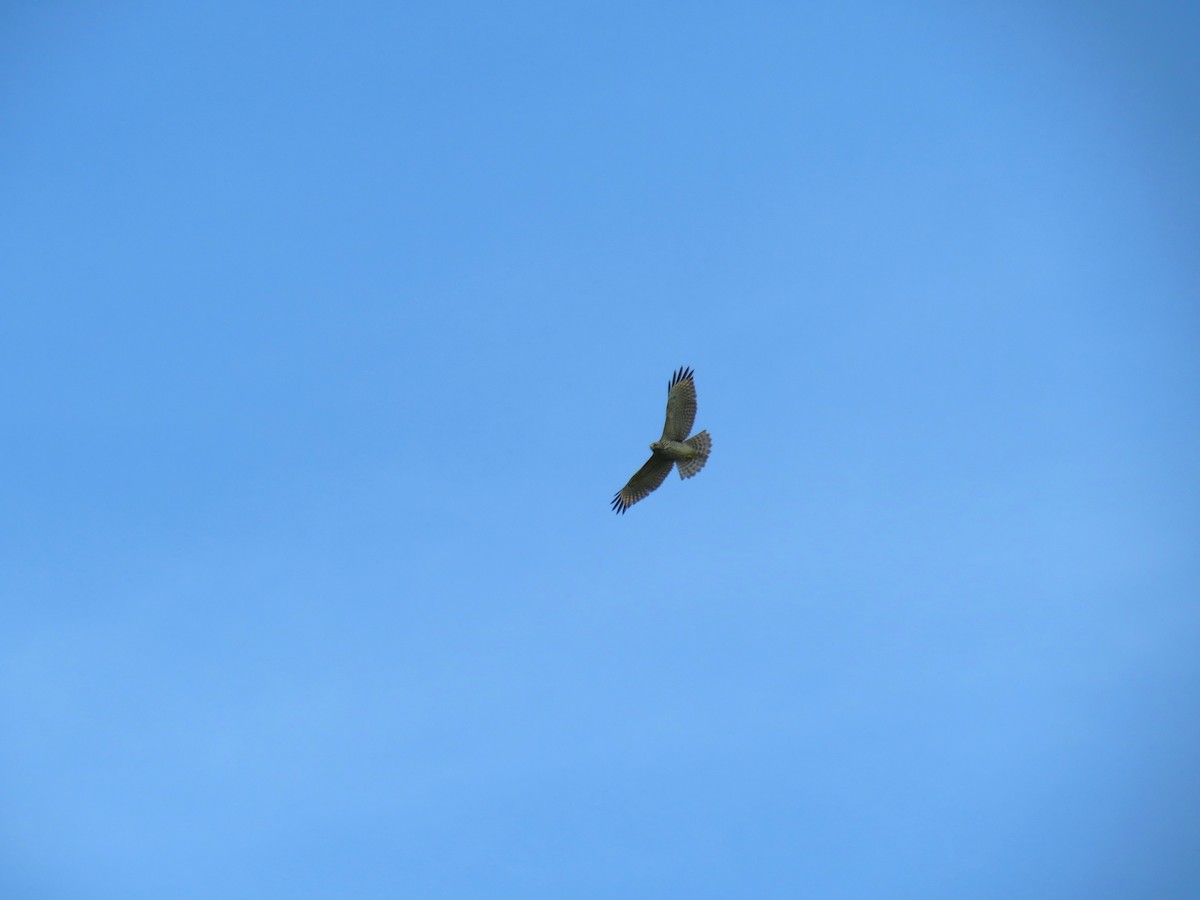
{"x": 702, "y": 444}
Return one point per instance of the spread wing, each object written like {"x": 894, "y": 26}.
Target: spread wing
{"x": 647, "y": 478}
{"x": 681, "y": 406}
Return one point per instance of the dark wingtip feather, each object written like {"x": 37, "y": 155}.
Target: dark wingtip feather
{"x": 683, "y": 373}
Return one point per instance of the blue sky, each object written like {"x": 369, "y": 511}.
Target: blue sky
{"x": 329, "y": 331}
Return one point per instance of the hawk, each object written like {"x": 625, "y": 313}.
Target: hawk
{"x": 671, "y": 448}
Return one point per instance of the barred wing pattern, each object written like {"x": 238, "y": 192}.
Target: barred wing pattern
{"x": 681, "y": 406}
{"x": 647, "y": 479}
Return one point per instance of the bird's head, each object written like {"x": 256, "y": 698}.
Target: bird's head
{"x": 656, "y": 446}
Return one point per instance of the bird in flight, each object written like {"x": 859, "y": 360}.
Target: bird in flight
{"x": 673, "y": 447}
